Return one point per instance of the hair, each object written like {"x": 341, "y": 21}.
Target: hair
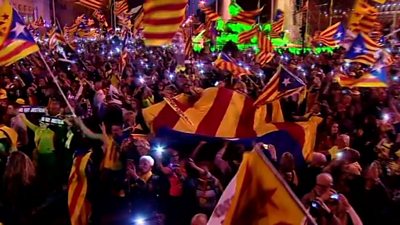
{"x": 19, "y": 166}
{"x": 287, "y": 162}
{"x": 148, "y": 159}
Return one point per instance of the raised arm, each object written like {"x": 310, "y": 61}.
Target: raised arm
{"x": 197, "y": 149}
{"x": 28, "y": 123}
{"x": 88, "y": 132}
{"x": 221, "y": 163}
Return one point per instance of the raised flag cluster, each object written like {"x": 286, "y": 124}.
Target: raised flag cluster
{"x": 15, "y": 40}
{"x": 162, "y": 19}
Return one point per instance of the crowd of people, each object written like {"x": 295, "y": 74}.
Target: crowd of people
{"x": 352, "y": 178}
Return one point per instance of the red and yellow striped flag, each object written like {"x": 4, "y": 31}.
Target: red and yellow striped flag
{"x": 266, "y": 49}
{"x": 247, "y": 35}
{"x": 247, "y": 17}
{"x": 120, "y": 7}
{"x": 92, "y": 4}
{"x": 219, "y": 112}
{"x": 161, "y": 20}
{"x": 227, "y": 63}
{"x": 363, "y": 18}
{"x": 79, "y": 206}
{"x": 258, "y": 195}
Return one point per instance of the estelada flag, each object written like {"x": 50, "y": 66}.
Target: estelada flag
{"x": 15, "y": 40}
{"x": 258, "y": 195}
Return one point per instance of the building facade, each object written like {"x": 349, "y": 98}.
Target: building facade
{"x": 31, "y": 10}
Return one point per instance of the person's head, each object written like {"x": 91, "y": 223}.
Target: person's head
{"x": 318, "y": 159}
{"x": 343, "y": 141}
{"x": 287, "y": 162}
{"x": 142, "y": 146}
{"x": 146, "y": 163}
{"x": 129, "y": 117}
{"x": 324, "y": 182}
{"x": 54, "y": 107}
{"x": 116, "y": 130}
{"x": 19, "y": 167}
{"x": 174, "y": 156}
{"x": 335, "y": 128}
{"x": 199, "y": 219}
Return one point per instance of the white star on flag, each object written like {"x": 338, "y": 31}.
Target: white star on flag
{"x": 18, "y": 29}
{"x": 358, "y": 49}
{"x": 286, "y": 81}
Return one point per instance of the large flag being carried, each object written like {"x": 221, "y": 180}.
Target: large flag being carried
{"x": 15, "y": 40}
{"x": 161, "y": 20}
{"x": 79, "y": 207}
{"x": 362, "y": 50}
{"x": 283, "y": 83}
{"x": 258, "y": 195}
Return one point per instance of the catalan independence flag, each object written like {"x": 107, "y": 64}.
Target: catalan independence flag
{"x": 331, "y": 36}
{"x": 258, "y": 195}
{"x": 363, "y": 18}
{"x": 162, "y": 19}
{"x": 282, "y": 83}
{"x": 121, "y": 7}
{"x": 15, "y": 40}
{"x": 79, "y": 207}
{"x": 377, "y": 77}
{"x": 362, "y": 50}
{"x": 227, "y": 63}
{"x": 247, "y": 17}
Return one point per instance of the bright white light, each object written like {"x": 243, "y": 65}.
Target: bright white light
{"x": 159, "y": 149}
{"x": 346, "y": 64}
{"x": 386, "y": 117}
{"x": 201, "y": 71}
{"x": 171, "y": 76}
{"x": 300, "y": 68}
{"x": 141, "y": 80}
{"x": 260, "y": 74}
{"x": 216, "y": 83}
{"x": 246, "y": 68}
{"x": 339, "y": 155}
{"x": 396, "y": 78}
{"x": 140, "y": 221}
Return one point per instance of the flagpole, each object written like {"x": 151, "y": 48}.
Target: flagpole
{"x": 259, "y": 15}
{"x": 272, "y": 10}
{"x": 330, "y": 12}
{"x": 54, "y": 11}
{"x": 57, "y": 84}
